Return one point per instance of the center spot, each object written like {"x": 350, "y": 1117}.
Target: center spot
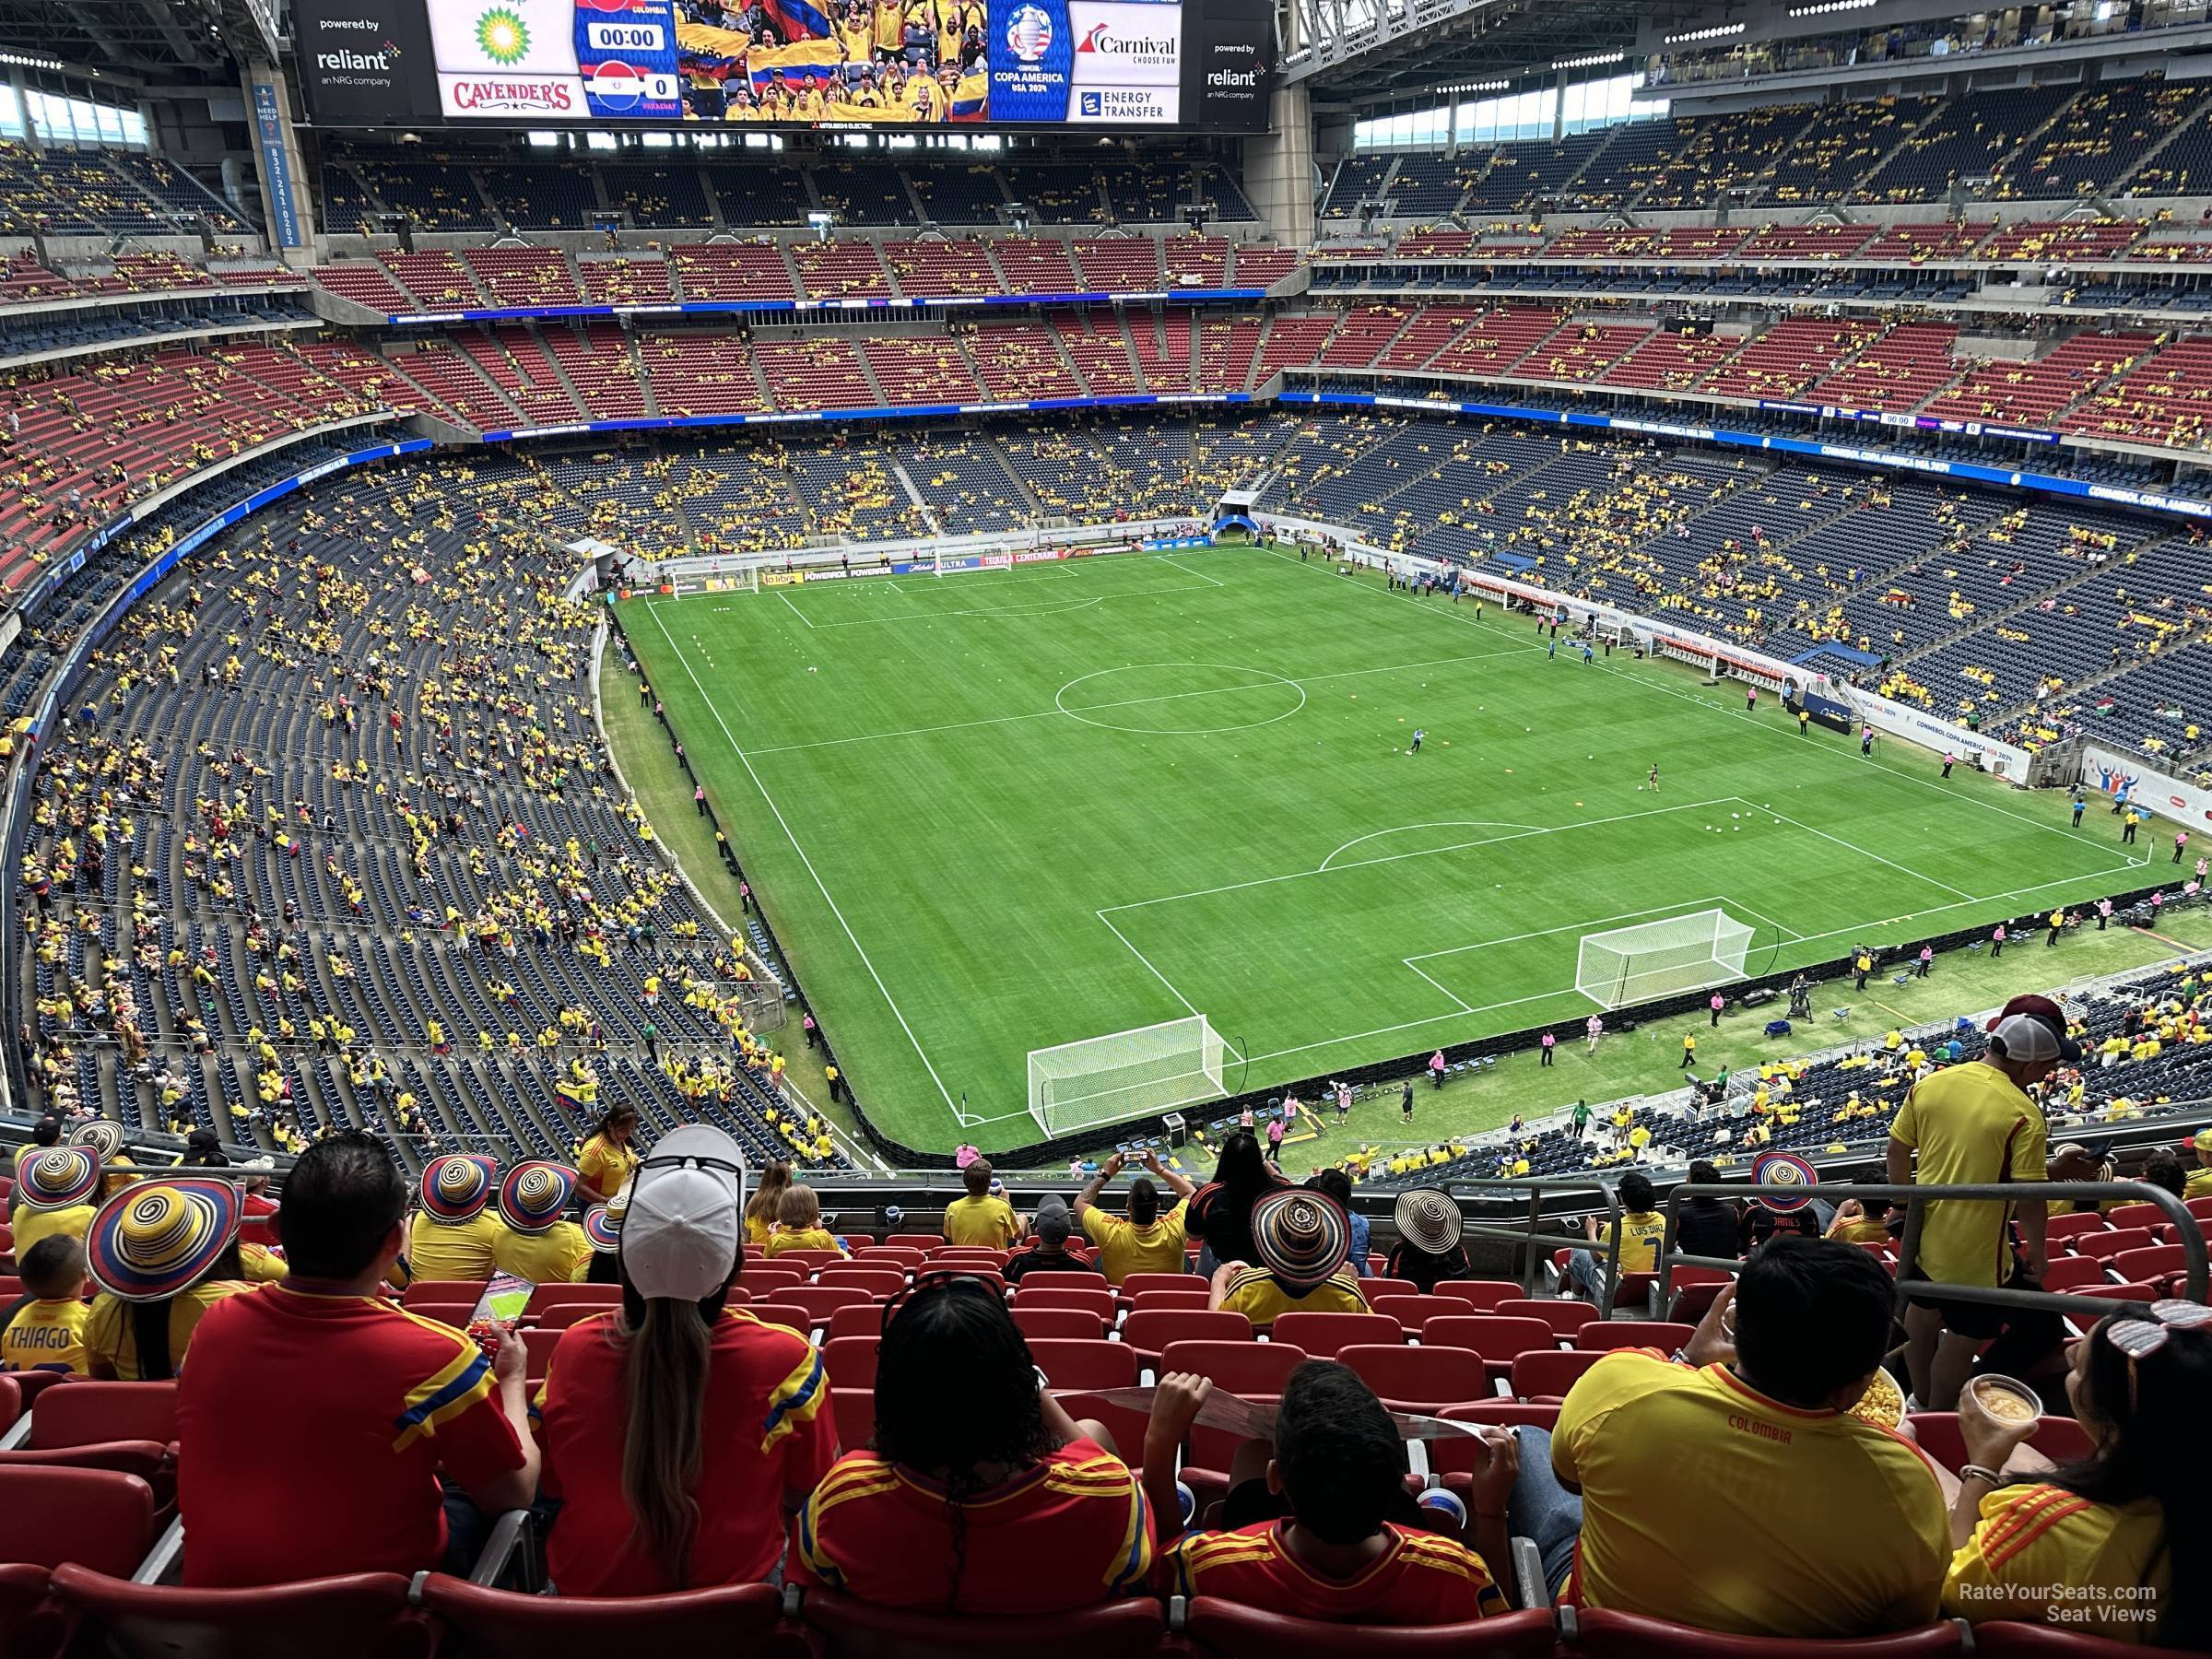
{"x": 1189, "y": 699}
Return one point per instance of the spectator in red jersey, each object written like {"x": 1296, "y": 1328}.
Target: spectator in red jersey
{"x": 681, "y": 1434}
{"x": 981, "y": 1494}
{"x": 1321, "y": 1523}
{"x": 393, "y": 1401}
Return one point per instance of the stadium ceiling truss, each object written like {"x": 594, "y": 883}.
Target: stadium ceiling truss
{"x": 137, "y": 38}
{"x": 1373, "y": 53}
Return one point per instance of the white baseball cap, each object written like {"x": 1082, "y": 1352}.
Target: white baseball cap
{"x": 685, "y": 1226}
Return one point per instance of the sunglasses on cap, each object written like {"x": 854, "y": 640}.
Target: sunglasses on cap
{"x": 689, "y": 1161}
{"x": 2139, "y": 1335}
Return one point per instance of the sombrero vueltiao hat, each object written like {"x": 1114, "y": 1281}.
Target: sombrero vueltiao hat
{"x": 1785, "y": 1169}
{"x": 1428, "y": 1220}
{"x": 455, "y": 1188}
{"x": 162, "y": 1237}
{"x": 58, "y": 1178}
{"x": 534, "y": 1194}
{"x": 603, "y": 1226}
{"x": 1301, "y": 1236}
{"x": 104, "y": 1135}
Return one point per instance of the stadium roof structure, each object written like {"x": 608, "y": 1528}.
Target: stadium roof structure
{"x": 1376, "y": 52}
{"x": 138, "y": 40}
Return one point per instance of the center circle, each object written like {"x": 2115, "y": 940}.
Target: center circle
{"x": 1180, "y": 700}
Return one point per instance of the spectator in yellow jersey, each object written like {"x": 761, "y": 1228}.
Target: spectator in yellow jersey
{"x": 799, "y": 1223}
{"x": 161, "y": 1256}
{"x": 1145, "y": 1242}
{"x": 1861, "y": 1222}
{"x": 605, "y": 1160}
{"x": 56, "y": 1192}
{"x": 1975, "y": 1124}
{"x": 2118, "y": 1545}
{"x": 104, "y": 1137}
{"x": 1302, "y": 1236}
{"x": 1657, "y": 1492}
{"x": 536, "y": 1240}
{"x": 45, "y": 1133}
{"x": 1640, "y": 1227}
{"x": 764, "y": 1208}
{"x": 45, "y": 1330}
{"x": 2200, "y": 1178}
{"x": 981, "y": 1218}
{"x": 451, "y": 1235}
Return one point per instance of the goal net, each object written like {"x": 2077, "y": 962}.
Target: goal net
{"x": 1125, "y": 1075}
{"x": 1656, "y": 958}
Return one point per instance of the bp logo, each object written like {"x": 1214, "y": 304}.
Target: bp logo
{"x": 504, "y": 37}
{"x": 1028, "y": 33}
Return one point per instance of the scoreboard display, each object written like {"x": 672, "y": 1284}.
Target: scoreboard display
{"x": 1202, "y": 64}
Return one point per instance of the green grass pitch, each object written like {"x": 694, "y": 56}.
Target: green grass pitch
{"x": 993, "y": 812}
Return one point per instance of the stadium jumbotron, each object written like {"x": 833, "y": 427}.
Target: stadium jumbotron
{"x": 1233, "y": 823}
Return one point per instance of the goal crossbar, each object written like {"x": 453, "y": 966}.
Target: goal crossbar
{"x": 1626, "y": 965}
{"x": 1139, "y": 1073}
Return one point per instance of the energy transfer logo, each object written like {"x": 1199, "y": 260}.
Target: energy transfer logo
{"x": 1028, "y": 33}
{"x": 503, "y": 35}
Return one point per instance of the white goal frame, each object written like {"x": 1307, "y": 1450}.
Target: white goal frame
{"x": 1098, "y": 1081}
{"x": 1689, "y": 952}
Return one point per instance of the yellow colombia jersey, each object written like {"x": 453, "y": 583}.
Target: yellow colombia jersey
{"x": 459, "y": 1250}
{"x": 2039, "y": 1549}
{"x": 111, "y": 1337}
{"x": 1682, "y": 1472}
{"x": 1125, "y": 1248}
{"x": 46, "y": 1335}
{"x": 1255, "y": 1294}
{"x": 986, "y": 1220}
{"x": 1641, "y": 1231}
{"x": 1969, "y": 1124}
{"x": 560, "y": 1256}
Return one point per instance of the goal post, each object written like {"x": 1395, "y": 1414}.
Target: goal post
{"x": 1626, "y": 965}
{"x": 1125, "y": 1075}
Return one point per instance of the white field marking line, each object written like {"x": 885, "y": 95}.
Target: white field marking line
{"x": 1862, "y": 851}
{"x": 960, "y": 725}
{"x": 1437, "y": 824}
{"x": 788, "y": 605}
{"x": 894, "y": 588}
{"x": 1202, "y": 576}
{"x": 1761, "y": 916}
{"x": 1146, "y": 961}
{"x": 785, "y": 825}
{"x": 1838, "y": 933}
{"x": 1447, "y": 990}
{"x": 1752, "y": 720}
{"x": 1037, "y": 607}
{"x": 1361, "y": 863}
{"x": 1685, "y": 906}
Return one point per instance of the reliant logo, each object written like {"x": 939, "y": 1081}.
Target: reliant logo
{"x": 1102, "y": 38}
{"x": 355, "y": 59}
{"x": 1248, "y": 78}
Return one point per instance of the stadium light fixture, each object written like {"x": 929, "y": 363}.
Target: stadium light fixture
{"x": 1719, "y": 32}
{"x": 18, "y": 60}
{"x": 1589, "y": 60}
{"x": 1828, "y": 7}
{"x": 1482, "y": 85}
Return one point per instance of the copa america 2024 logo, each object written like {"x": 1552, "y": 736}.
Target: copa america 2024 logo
{"x": 1028, "y": 33}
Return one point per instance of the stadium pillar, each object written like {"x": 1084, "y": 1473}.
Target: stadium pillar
{"x": 287, "y": 204}
{"x": 1278, "y": 166}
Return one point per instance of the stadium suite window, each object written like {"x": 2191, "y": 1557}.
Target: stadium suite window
{"x": 1522, "y": 115}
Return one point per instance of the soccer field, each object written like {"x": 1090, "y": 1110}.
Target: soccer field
{"x": 995, "y": 812}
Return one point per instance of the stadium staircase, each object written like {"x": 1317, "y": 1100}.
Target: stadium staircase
{"x": 1981, "y": 619}
{"x": 2191, "y": 122}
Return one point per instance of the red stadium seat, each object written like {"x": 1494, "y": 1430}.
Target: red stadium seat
{"x": 2104, "y": 1246}
{"x": 99, "y": 1518}
{"x": 856, "y": 1629}
{"x": 562, "y": 1315}
{"x": 2071, "y": 1223}
{"x": 2133, "y": 1215}
{"x": 1602, "y": 1335}
{"x": 1151, "y": 1330}
{"x": 2151, "y": 1264}
{"x": 1238, "y": 1368}
{"x": 1453, "y": 1457}
{"x": 2070, "y": 1272}
{"x": 807, "y": 1261}
{"x": 2003, "y": 1638}
{"x": 441, "y": 1290}
{"x": 1417, "y": 1378}
{"x": 500, "y": 1624}
{"x": 858, "y": 1319}
{"x": 2060, "y": 1439}
{"x": 853, "y": 1411}
{"x": 1497, "y": 1338}
{"x": 851, "y": 1361}
{"x": 555, "y": 1295}
{"x": 2199, "y": 1208}
{"x": 1413, "y": 1312}
{"x": 1380, "y": 1291}
{"x": 988, "y": 1277}
{"x": 1548, "y": 1376}
{"x": 1094, "y": 1297}
{"x": 86, "y": 1414}
{"x": 11, "y": 1400}
{"x": 1234, "y": 1630}
{"x": 1137, "y": 1284}
{"x": 878, "y": 1282}
{"x": 1034, "y": 1321}
{"x": 1595, "y": 1634}
{"x": 1320, "y": 1335}
{"x": 1565, "y": 1316}
{"x": 821, "y": 1300}
{"x": 1486, "y": 1294}
{"x": 1152, "y": 1300}
{"x": 361, "y": 1615}
{"x": 1074, "y": 1362}
{"x": 924, "y": 1241}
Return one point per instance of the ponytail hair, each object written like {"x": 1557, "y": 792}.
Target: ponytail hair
{"x": 667, "y": 1353}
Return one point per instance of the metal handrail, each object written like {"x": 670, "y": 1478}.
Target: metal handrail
{"x": 2189, "y": 1231}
